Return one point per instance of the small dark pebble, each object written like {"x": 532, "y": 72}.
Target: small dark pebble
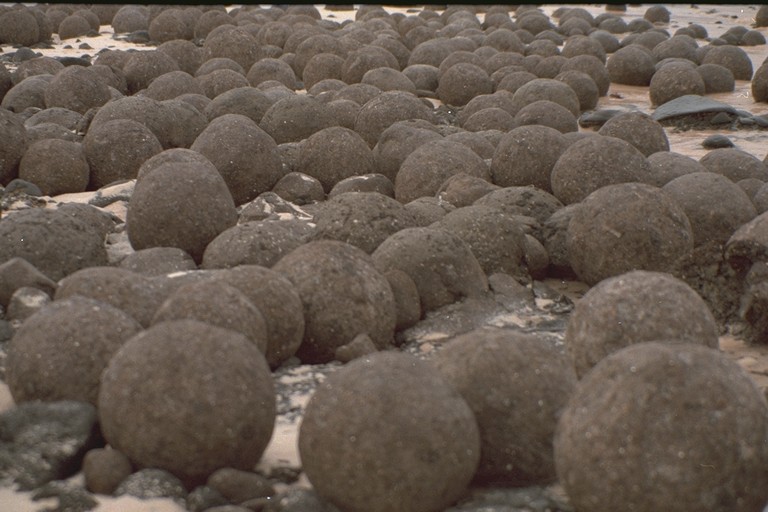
{"x": 23, "y": 54}
{"x": 74, "y": 61}
{"x": 717, "y": 141}
{"x": 720, "y": 118}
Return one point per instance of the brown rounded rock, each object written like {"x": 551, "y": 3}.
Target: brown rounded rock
{"x": 56, "y": 166}
{"x": 650, "y": 406}
{"x": 633, "y": 307}
{"x": 335, "y": 153}
{"x": 639, "y": 129}
{"x": 526, "y": 156}
{"x": 221, "y": 384}
{"x": 342, "y": 429}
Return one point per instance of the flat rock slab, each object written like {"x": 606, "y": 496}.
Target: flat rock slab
{"x": 690, "y": 104}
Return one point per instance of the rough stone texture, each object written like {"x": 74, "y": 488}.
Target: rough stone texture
{"x": 760, "y": 84}
{"x": 55, "y": 243}
{"x": 668, "y": 165}
{"x": 218, "y": 304}
{"x": 156, "y": 261}
{"x": 593, "y": 162}
{"x": 299, "y": 188}
{"x": 151, "y": 113}
{"x": 104, "y": 469}
{"x": 386, "y": 109}
{"x": 583, "y": 85}
{"x": 639, "y": 129}
{"x": 628, "y": 226}
{"x": 76, "y": 88}
{"x": 717, "y": 78}
{"x": 362, "y": 219}
{"x": 335, "y": 153}
{"x": 526, "y": 156}
{"x": 235, "y": 43}
{"x": 428, "y": 166}
{"x": 173, "y": 84}
{"x": 29, "y": 92}
{"x": 295, "y": 118}
{"x": 440, "y": 264}
{"x": 151, "y": 483}
{"x": 516, "y": 385}
{"x": 715, "y": 205}
{"x": 674, "y": 80}
{"x": 25, "y": 302}
{"x": 19, "y": 273}
{"x": 531, "y": 202}
{"x": 179, "y": 205}
{"x": 734, "y": 164}
{"x": 730, "y": 57}
{"x": 462, "y": 82}
{"x": 278, "y": 300}
{"x": 634, "y": 307}
{"x": 18, "y": 26}
{"x": 546, "y": 89}
{"x": 221, "y": 383}
{"x": 496, "y": 240}
{"x": 343, "y": 429}
{"x": 14, "y": 134}
{"x": 398, "y": 141}
{"x": 370, "y": 182}
{"x": 343, "y": 295}
{"x": 243, "y": 153}
{"x": 45, "y": 441}
{"x": 55, "y": 166}
{"x": 631, "y": 65}
{"x": 463, "y": 190}
{"x": 239, "y": 486}
{"x": 650, "y": 406}
{"x": 260, "y": 242}
{"x": 59, "y": 352}
{"x": 143, "y": 67}
{"x": 547, "y": 113}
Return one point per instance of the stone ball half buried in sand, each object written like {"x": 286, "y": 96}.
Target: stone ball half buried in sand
{"x": 517, "y": 385}
{"x": 628, "y": 226}
{"x": 418, "y": 441}
{"x": 659, "y": 426}
{"x": 189, "y": 398}
{"x": 634, "y": 307}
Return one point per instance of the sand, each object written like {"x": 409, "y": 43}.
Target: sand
{"x": 282, "y": 451}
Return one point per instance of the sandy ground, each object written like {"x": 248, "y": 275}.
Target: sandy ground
{"x": 715, "y": 18}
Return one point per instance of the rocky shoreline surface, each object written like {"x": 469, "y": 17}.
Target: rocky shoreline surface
{"x": 294, "y": 258}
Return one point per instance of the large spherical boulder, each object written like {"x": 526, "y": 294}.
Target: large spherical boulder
{"x": 546, "y": 113}
{"x": 516, "y": 385}
{"x": 730, "y": 57}
{"x": 295, "y": 118}
{"x": 234, "y": 43}
{"x": 387, "y": 108}
{"x": 427, "y": 167}
{"x": 398, "y": 141}
{"x": 546, "y": 89}
{"x": 643, "y": 432}
{"x": 440, "y": 263}
{"x": 343, "y": 430}
{"x": 639, "y": 129}
{"x": 673, "y": 80}
{"x": 631, "y": 65}
{"x": 715, "y": 205}
{"x": 180, "y": 205}
{"x": 462, "y": 82}
{"x": 526, "y": 156}
{"x": 222, "y": 393}
{"x": 593, "y": 162}
{"x": 76, "y": 88}
{"x": 735, "y": 164}
{"x": 628, "y": 226}
{"x": 668, "y": 165}
{"x": 143, "y": 67}
{"x": 633, "y": 307}
{"x": 244, "y": 154}
{"x": 344, "y": 295}
{"x": 59, "y": 352}
{"x": 19, "y": 26}
{"x": 335, "y": 153}
{"x": 14, "y": 134}
{"x": 56, "y": 166}
{"x": 57, "y": 244}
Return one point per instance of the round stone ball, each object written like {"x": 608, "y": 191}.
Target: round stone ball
{"x": 14, "y": 133}
{"x": 674, "y": 80}
{"x": 343, "y": 295}
{"x": 526, "y": 201}
{"x": 760, "y": 84}
{"x": 462, "y": 82}
{"x": 631, "y": 65}
{"x": 492, "y": 118}
{"x": 371, "y": 182}
{"x": 299, "y": 188}
{"x": 639, "y": 129}
{"x": 388, "y": 79}
{"x": 19, "y": 26}
{"x": 593, "y": 162}
{"x": 731, "y": 57}
{"x": 581, "y": 44}
{"x": 734, "y": 164}
{"x": 362, "y": 219}
{"x": 130, "y": 18}
{"x": 76, "y": 88}
{"x": 344, "y": 430}
{"x": 651, "y": 406}
{"x": 37, "y": 366}
{"x": 158, "y": 116}
{"x": 526, "y": 156}
{"x": 440, "y": 263}
{"x": 496, "y": 240}
{"x": 517, "y": 386}
{"x": 158, "y": 261}
{"x": 592, "y": 66}
{"x": 463, "y": 190}
{"x": 180, "y": 205}
{"x": 172, "y": 85}
{"x": 668, "y": 165}
{"x": 427, "y": 167}
{"x": 221, "y": 387}
{"x": 584, "y": 87}
{"x": 271, "y": 69}
{"x": 335, "y": 153}
{"x": 243, "y": 153}
{"x": 547, "y": 113}
{"x": 210, "y": 65}
{"x": 143, "y": 67}
{"x": 259, "y": 242}
{"x": 57, "y": 244}
{"x": 715, "y": 205}
{"x": 215, "y": 303}
{"x": 627, "y": 226}
{"x": 387, "y": 108}
{"x": 73, "y": 26}
{"x": 220, "y": 81}
{"x": 186, "y": 54}
{"x": 30, "y": 92}
{"x": 170, "y": 24}
{"x": 546, "y": 89}
{"x": 278, "y": 301}
{"x": 398, "y": 141}
{"x": 513, "y": 80}
{"x": 55, "y": 166}
{"x": 247, "y": 101}
{"x": 634, "y": 307}
{"x": 234, "y": 43}
{"x": 116, "y": 149}
{"x": 295, "y": 118}
{"x": 320, "y": 67}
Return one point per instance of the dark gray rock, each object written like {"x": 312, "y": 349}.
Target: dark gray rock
{"x": 674, "y": 80}
{"x": 25, "y": 302}
{"x": 639, "y": 129}
{"x": 14, "y": 132}
{"x": 295, "y": 118}
{"x": 17, "y": 273}
{"x": 631, "y": 66}
{"x": 46, "y": 441}
{"x": 734, "y": 164}
{"x": 152, "y": 483}
{"x": 398, "y": 141}
{"x": 299, "y": 188}
{"x": 68, "y": 495}
{"x": 333, "y": 154}
{"x": 156, "y": 261}
{"x": 238, "y": 486}
{"x": 667, "y": 165}
{"x": 104, "y": 469}
{"x": 386, "y": 109}
{"x": 370, "y": 182}
{"x": 203, "y": 498}
{"x": 56, "y": 166}
{"x": 463, "y": 190}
